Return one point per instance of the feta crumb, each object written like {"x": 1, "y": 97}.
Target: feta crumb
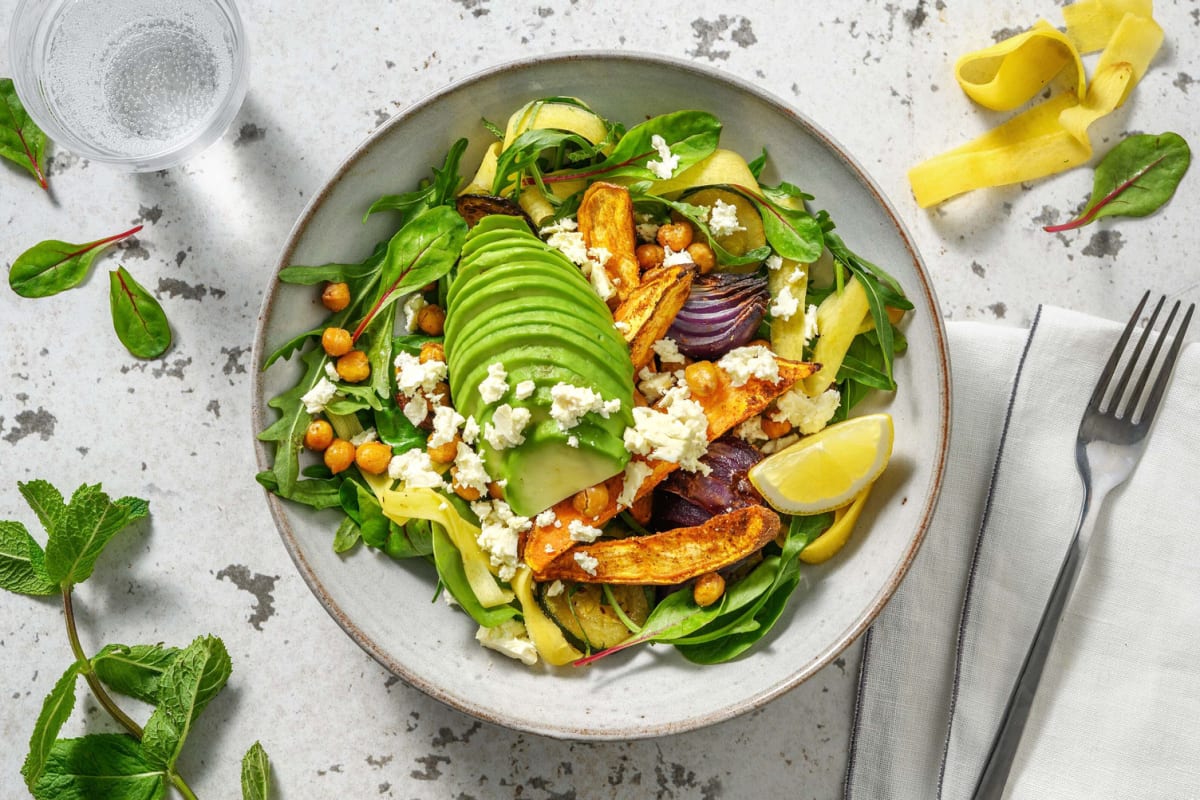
{"x": 566, "y": 224}
{"x": 331, "y": 372}
{"x": 751, "y": 430}
{"x": 785, "y": 304}
{"x": 653, "y": 385}
{"x": 667, "y": 351}
{"x": 672, "y": 258}
{"x": 569, "y": 404}
{"x": 555, "y": 589}
{"x": 470, "y": 431}
{"x": 499, "y": 534}
{"x": 509, "y": 638}
{"x": 549, "y": 548}
{"x": 369, "y": 435}
{"x": 807, "y": 414}
{"x": 416, "y": 410}
{"x": 545, "y": 519}
{"x": 647, "y": 231}
{"x": 446, "y": 422}
{"x": 572, "y": 441}
{"x": 505, "y": 429}
{"x": 664, "y": 166}
{"x": 570, "y": 244}
{"x": 583, "y": 533}
{"x": 676, "y": 430}
{"x": 622, "y": 326}
{"x": 635, "y": 473}
{"x": 316, "y": 398}
{"x": 412, "y": 375}
{"x": 594, "y": 270}
{"x": 493, "y": 387}
{"x": 415, "y": 469}
{"x": 723, "y": 219}
{"x": 524, "y": 390}
{"x": 586, "y": 562}
{"x": 774, "y": 261}
{"x": 412, "y": 307}
{"x": 810, "y": 323}
{"x": 744, "y": 363}
{"x": 469, "y": 471}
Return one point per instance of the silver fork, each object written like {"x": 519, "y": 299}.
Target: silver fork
{"x": 1111, "y": 438}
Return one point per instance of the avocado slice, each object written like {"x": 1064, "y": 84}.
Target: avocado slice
{"x": 504, "y": 312}
{"x": 507, "y": 259}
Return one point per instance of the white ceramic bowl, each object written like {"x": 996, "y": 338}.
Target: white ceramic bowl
{"x": 649, "y": 691}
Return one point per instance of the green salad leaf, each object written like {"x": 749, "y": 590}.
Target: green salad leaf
{"x": 54, "y": 266}
{"x": 21, "y": 140}
{"x": 140, "y": 322}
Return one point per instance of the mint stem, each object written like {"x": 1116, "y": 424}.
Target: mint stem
{"x": 182, "y": 786}
{"x": 89, "y": 674}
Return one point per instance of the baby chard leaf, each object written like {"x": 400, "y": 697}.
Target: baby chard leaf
{"x": 134, "y": 671}
{"x": 691, "y": 135}
{"x": 53, "y": 266}
{"x": 86, "y": 526}
{"x": 194, "y": 678}
{"x": 22, "y": 562}
{"x": 256, "y": 773}
{"x": 1135, "y": 179}
{"x": 105, "y": 766}
{"x": 55, "y": 709}
{"x": 138, "y": 319}
{"x": 21, "y": 141}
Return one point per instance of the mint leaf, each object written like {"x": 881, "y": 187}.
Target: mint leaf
{"x": 103, "y": 766}
{"x": 134, "y": 671}
{"x": 22, "y": 562}
{"x": 195, "y": 677}
{"x": 55, "y": 709}
{"x": 256, "y": 774}
{"x": 46, "y": 502}
{"x": 84, "y": 528}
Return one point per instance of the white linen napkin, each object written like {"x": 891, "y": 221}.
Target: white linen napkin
{"x": 1118, "y": 710}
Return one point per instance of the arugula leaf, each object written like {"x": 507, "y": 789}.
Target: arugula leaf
{"x": 454, "y": 578}
{"x": 317, "y": 493}
{"x": 1135, "y": 178}
{"x": 192, "y": 679}
{"x": 102, "y": 766}
{"x": 134, "y": 671}
{"x": 522, "y": 155}
{"x": 54, "y": 266}
{"x": 758, "y": 164}
{"x": 440, "y": 191}
{"x": 88, "y": 523}
{"x": 289, "y": 348}
{"x": 379, "y": 352}
{"x": 21, "y": 140}
{"x": 55, "y": 709}
{"x": 336, "y": 273}
{"x": 22, "y": 562}
{"x": 256, "y": 773}
{"x": 140, "y": 322}
{"x": 46, "y": 501}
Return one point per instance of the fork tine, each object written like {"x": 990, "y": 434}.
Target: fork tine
{"x": 1114, "y": 404}
{"x": 1160, "y": 384}
{"x": 1111, "y": 367}
{"x": 1131, "y": 405}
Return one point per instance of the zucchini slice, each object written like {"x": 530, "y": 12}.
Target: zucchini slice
{"x": 587, "y": 620}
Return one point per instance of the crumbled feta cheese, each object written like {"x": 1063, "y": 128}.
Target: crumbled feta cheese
{"x": 774, "y": 261}
{"x": 555, "y": 589}
{"x": 664, "y": 166}
{"x": 667, "y": 351}
{"x": 807, "y": 414}
{"x": 570, "y": 244}
{"x": 675, "y": 430}
{"x": 493, "y": 387}
{"x": 572, "y": 441}
{"x": 647, "y": 231}
{"x": 671, "y": 258}
{"x": 415, "y": 469}
{"x": 469, "y": 471}
{"x": 785, "y": 303}
{"x": 549, "y": 548}
{"x": 723, "y": 219}
{"x": 810, "y": 323}
{"x": 751, "y": 430}
{"x": 621, "y": 325}
{"x": 446, "y": 422}
{"x": 566, "y": 224}
{"x": 369, "y": 435}
{"x": 587, "y": 562}
{"x": 569, "y": 403}
{"x": 635, "y": 472}
{"x": 583, "y": 533}
{"x": 505, "y": 429}
{"x": 316, "y": 398}
{"x": 412, "y": 375}
{"x": 449, "y": 600}
{"x": 499, "y": 534}
{"x": 744, "y": 363}
{"x": 524, "y": 390}
{"x": 412, "y": 307}
{"x": 331, "y": 372}
{"x": 653, "y": 385}
{"x": 470, "y": 431}
{"x": 416, "y": 409}
{"x": 509, "y": 638}
{"x": 594, "y": 270}
{"x": 545, "y": 519}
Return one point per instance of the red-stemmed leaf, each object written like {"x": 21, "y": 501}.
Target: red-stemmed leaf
{"x": 54, "y": 266}
{"x": 138, "y": 319}
{"x": 21, "y": 141}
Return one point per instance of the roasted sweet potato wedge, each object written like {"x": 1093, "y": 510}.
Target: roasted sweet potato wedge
{"x": 725, "y": 409}
{"x": 648, "y": 311}
{"x": 670, "y": 557}
{"x": 606, "y": 220}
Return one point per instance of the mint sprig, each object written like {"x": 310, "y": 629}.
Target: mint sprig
{"x": 179, "y": 683}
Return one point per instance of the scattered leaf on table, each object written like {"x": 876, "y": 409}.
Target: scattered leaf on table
{"x": 138, "y": 319}
{"x": 194, "y": 678}
{"x": 54, "y": 266}
{"x": 256, "y": 774}
{"x": 21, "y": 141}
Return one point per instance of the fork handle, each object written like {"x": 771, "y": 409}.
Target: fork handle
{"x": 994, "y": 776}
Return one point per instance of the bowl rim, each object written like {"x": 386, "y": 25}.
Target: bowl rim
{"x": 634, "y": 730}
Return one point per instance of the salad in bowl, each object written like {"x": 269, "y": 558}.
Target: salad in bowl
{"x": 605, "y": 387}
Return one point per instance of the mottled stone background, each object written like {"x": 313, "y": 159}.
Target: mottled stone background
{"x": 75, "y": 407}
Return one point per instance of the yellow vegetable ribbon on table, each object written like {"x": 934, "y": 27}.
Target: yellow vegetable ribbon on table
{"x": 1051, "y": 136}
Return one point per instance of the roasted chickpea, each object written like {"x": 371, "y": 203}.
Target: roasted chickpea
{"x": 339, "y": 455}
{"x": 336, "y": 296}
{"x": 442, "y": 453}
{"x": 642, "y": 508}
{"x": 373, "y": 457}
{"x": 675, "y": 235}
{"x": 431, "y": 319}
{"x": 495, "y": 491}
{"x": 591, "y": 501}
{"x": 354, "y": 367}
{"x": 708, "y": 589}
{"x": 432, "y": 351}
{"x": 774, "y": 429}
{"x": 703, "y": 256}
{"x": 336, "y": 341}
{"x": 441, "y": 391}
{"x": 468, "y": 493}
{"x": 318, "y": 435}
{"x": 650, "y": 256}
{"x": 703, "y": 378}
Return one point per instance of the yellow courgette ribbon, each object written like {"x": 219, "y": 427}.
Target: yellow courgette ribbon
{"x": 1051, "y": 136}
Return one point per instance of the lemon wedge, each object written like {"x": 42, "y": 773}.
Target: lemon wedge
{"x": 826, "y": 470}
